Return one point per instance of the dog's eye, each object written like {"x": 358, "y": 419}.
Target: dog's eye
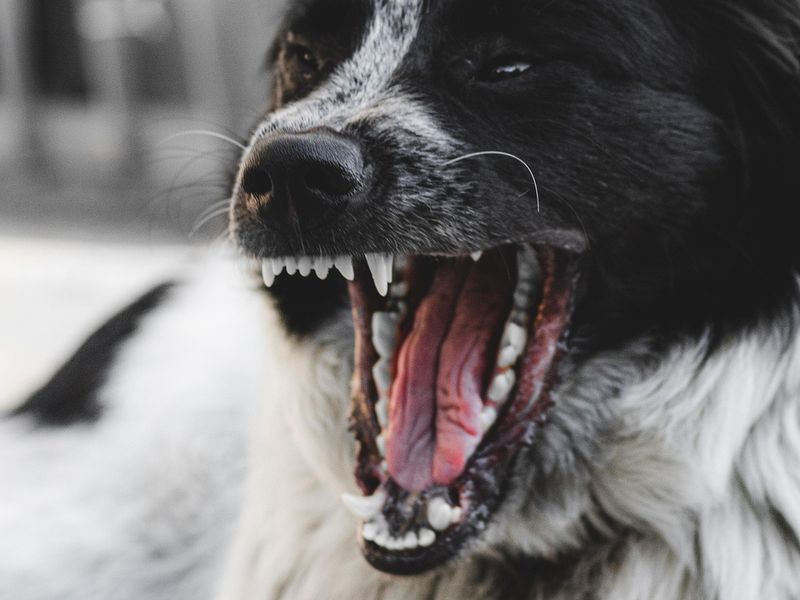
{"x": 304, "y": 62}
{"x": 504, "y": 68}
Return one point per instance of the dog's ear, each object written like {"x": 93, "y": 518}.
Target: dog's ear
{"x": 758, "y": 44}
{"x": 750, "y": 50}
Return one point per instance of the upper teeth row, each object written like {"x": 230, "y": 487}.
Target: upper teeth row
{"x": 381, "y": 266}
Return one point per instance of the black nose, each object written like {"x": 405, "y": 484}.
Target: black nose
{"x": 301, "y": 176}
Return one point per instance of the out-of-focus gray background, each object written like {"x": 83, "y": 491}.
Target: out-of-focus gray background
{"x": 105, "y": 181}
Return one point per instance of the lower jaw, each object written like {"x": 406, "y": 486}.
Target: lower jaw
{"x": 412, "y": 529}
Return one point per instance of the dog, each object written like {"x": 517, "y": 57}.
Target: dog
{"x": 526, "y": 326}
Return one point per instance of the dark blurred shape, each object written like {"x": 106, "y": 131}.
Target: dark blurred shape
{"x": 55, "y": 49}
{"x": 105, "y": 106}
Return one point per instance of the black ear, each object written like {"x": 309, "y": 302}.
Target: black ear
{"x": 749, "y": 52}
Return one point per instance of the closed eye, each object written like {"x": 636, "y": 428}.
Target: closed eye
{"x": 503, "y": 68}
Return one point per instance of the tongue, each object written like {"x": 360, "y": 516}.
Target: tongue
{"x": 436, "y": 397}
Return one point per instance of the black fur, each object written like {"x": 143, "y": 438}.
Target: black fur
{"x": 667, "y": 132}
{"x": 70, "y": 396}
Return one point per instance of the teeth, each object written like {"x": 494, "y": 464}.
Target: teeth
{"x": 441, "y": 515}
{"x": 344, "y": 265}
{"x": 410, "y": 541}
{"x": 382, "y": 412}
{"x": 369, "y": 531}
{"x": 364, "y": 507}
{"x": 514, "y": 336}
{"x": 384, "y": 332}
{"x": 488, "y": 417}
{"x": 380, "y": 265}
{"x": 304, "y": 266}
{"x": 381, "y": 538}
{"x": 267, "y": 274}
{"x": 507, "y": 357}
{"x": 377, "y": 532}
{"x": 381, "y": 443}
{"x": 382, "y": 376}
{"x": 501, "y": 386}
{"x": 277, "y": 265}
{"x": 426, "y": 537}
{"x": 527, "y": 265}
{"x": 322, "y": 267}
{"x": 476, "y": 256}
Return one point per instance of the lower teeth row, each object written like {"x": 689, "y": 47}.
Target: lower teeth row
{"x": 440, "y": 516}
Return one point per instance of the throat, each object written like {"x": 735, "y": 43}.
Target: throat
{"x": 442, "y": 368}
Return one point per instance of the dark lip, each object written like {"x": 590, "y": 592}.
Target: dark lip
{"x": 483, "y": 485}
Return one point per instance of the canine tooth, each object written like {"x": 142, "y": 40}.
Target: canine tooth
{"x": 488, "y": 417}
{"x": 291, "y": 265}
{"x": 304, "y": 266}
{"x": 384, "y": 332}
{"x": 501, "y": 386}
{"x": 322, "y": 267}
{"x": 426, "y": 537}
{"x": 267, "y": 274}
{"x": 382, "y": 376}
{"x": 364, "y": 507}
{"x": 380, "y": 441}
{"x": 369, "y": 530}
{"x": 507, "y": 357}
{"x": 476, "y": 256}
{"x": 344, "y": 264}
{"x": 439, "y": 514}
{"x": 380, "y": 265}
{"x": 410, "y": 541}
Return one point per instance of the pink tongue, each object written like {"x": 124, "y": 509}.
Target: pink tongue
{"x": 434, "y": 423}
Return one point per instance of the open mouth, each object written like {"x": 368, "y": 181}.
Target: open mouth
{"x": 455, "y": 360}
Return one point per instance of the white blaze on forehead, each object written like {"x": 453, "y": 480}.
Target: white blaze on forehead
{"x": 362, "y": 78}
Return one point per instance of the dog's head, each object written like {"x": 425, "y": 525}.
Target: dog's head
{"x": 513, "y": 188}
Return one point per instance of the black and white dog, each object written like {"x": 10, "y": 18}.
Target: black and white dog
{"x": 531, "y": 328}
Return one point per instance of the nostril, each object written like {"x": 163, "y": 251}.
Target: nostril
{"x": 329, "y": 180}
{"x": 256, "y": 182}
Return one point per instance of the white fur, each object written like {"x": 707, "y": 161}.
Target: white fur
{"x": 699, "y": 455}
{"x": 700, "y": 450}
{"x": 359, "y": 81}
{"x": 140, "y": 505}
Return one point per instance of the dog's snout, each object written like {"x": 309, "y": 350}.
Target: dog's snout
{"x": 298, "y": 176}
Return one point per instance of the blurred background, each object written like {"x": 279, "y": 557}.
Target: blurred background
{"x": 114, "y": 166}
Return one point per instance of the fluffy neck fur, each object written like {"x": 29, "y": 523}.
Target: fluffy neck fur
{"x": 699, "y": 476}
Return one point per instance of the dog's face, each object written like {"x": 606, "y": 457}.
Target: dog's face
{"x": 511, "y": 188}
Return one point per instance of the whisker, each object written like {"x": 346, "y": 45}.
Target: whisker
{"x": 214, "y": 207}
{"x": 507, "y": 155}
{"x": 204, "y": 132}
{"x": 208, "y": 218}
